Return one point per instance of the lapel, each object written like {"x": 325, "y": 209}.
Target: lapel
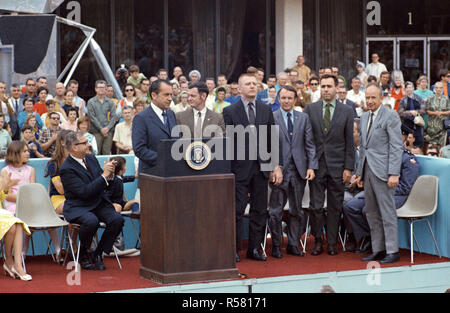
{"x": 152, "y": 114}
{"x": 279, "y": 120}
{"x": 241, "y": 113}
{"x": 376, "y": 122}
{"x": 207, "y": 120}
{"x": 297, "y": 116}
{"x": 81, "y": 168}
{"x": 319, "y": 116}
{"x": 336, "y": 115}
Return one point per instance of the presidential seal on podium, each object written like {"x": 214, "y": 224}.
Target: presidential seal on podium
{"x": 198, "y": 155}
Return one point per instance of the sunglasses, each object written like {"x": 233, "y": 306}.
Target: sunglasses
{"x": 129, "y": 90}
{"x": 432, "y": 154}
{"x": 55, "y": 118}
{"x": 313, "y": 84}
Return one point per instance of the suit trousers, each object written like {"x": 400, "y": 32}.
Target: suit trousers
{"x": 292, "y": 189}
{"x": 257, "y": 186}
{"x": 355, "y": 213}
{"x": 381, "y": 213}
{"x": 335, "y": 198}
{"x": 104, "y": 144}
{"x": 89, "y": 223}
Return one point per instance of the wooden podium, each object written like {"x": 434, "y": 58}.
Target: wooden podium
{"x": 187, "y": 220}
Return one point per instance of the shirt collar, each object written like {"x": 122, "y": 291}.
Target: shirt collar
{"x": 333, "y": 103}
{"x": 376, "y": 112}
{"x": 78, "y": 160}
{"x": 156, "y": 109}
{"x": 203, "y": 111}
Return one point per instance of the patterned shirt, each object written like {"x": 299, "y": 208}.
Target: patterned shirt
{"x": 46, "y": 135}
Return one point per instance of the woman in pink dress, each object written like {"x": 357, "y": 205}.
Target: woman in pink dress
{"x": 16, "y": 159}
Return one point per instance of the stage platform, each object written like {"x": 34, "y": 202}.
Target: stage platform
{"x": 344, "y": 272}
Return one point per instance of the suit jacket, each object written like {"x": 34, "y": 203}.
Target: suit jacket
{"x": 336, "y": 146}
{"x": 213, "y": 120}
{"x": 235, "y": 115}
{"x": 83, "y": 189}
{"x": 302, "y": 148}
{"x": 351, "y": 104}
{"x": 383, "y": 148}
{"x": 146, "y": 133}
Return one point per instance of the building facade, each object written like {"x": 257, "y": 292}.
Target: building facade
{"x": 226, "y": 36}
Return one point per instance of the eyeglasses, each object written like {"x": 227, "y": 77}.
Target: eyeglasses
{"x": 31, "y": 84}
{"x": 81, "y": 143}
{"x": 129, "y": 90}
{"x": 55, "y": 118}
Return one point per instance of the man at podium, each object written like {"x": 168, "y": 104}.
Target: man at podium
{"x": 153, "y": 124}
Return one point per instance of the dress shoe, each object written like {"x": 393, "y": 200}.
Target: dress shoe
{"x": 86, "y": 261}
{"x": 390, "y": 258}
{"x": 376, "y": 256}
{"x": 365, "y": 246}
{"x": 350, "y": 245}
{"x": 332, "y": 249}
{"x": 293, "y": 250}
{"x": 98, "y": 261}
{"x": 317, "y": 248}
{"x": 276, "y": 252}
{"x": 255, "y": 255}
{"x": 238, "y": 259}
{"x": 8, "y": 271}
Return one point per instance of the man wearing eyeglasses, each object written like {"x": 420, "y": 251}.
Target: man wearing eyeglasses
{"x": 84, "y": 183}
{"x": 47, "y": 139}
{"x": 314, "y": 90}
{"x": 30, "y": 91}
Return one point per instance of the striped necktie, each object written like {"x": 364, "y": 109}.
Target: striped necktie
{"x": 327, "y": 117}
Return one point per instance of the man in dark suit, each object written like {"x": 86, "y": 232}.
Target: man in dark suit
{"x": 153, "y": 124}
{"x": 332, "y": 124}
{"x": 84, "y": 184}
{"x": 252, "y": 174}
{"x": 299, "y": 163}
{"x": 202, "y": 122}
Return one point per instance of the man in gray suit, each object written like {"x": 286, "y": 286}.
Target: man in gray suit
{"x": 379, "y": 168}
{"x": 332, "y": 124}
{"x": 299, "y": 163}
{"x": 202, "y": 122}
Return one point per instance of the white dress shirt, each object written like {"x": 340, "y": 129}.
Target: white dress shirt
{"x": 375, "y": 69}
{"x": 196, "y": 115}
{"x": 158, "y": 112}
{"x": 375, "y": 114}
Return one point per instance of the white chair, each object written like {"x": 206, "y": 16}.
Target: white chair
{"x": 421, "y": 203}
{"x": 33, "y": 206}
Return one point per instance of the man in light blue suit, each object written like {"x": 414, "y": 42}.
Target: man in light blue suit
{"x": 299, "y": 163}
{"x": 379, "y": 167}
{"x": 153, "y": 124}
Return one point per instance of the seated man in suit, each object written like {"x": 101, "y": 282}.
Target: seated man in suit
{"x": 153, "y": 124}
{"x": 84, "y": 184}
{"x": 202, "y": 122}
{"x": 355, "y": 209}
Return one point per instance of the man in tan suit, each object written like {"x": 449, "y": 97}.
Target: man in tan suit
{"x": 202, "y": 122}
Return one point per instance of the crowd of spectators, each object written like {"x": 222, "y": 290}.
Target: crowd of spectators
{"x": 32, "y": 120}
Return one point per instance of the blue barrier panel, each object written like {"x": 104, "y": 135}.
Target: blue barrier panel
{"x": 40, "y": 246}
{"x": 440, "y": 221}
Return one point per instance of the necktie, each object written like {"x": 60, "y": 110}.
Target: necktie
{"x": 16, "y": 105}
{"x": 327, "y": 118}
{"x": 370, "y": 124}
{"x": 290, "y": 126}
{"x": 85, "y": 164}
{"x": 198, "y": 126}
{"x": 164, "y": 114}
{"x": 251, "y": 114}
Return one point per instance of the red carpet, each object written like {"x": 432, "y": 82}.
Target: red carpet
{"x": 48, "y": 277}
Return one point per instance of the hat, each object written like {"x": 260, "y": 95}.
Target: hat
{"x": 359, "y": 63}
